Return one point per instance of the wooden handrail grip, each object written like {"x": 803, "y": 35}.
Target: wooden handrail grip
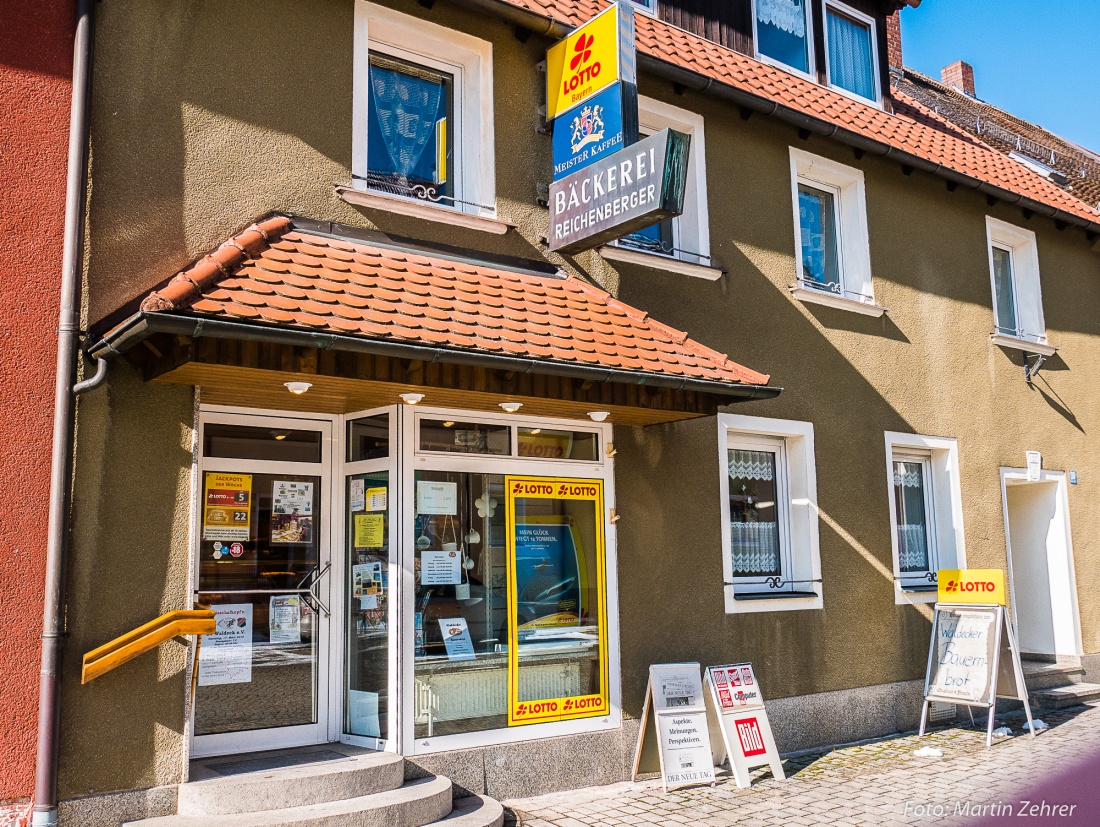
{"x": 146, "y": 637}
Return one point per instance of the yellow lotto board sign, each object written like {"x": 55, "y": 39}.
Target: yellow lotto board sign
{"x": 590, "y": 59}
{"x": 580, "y": 507}
{"x": 984, "y": 586}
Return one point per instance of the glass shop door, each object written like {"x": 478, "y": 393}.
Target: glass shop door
{"x": 264, "y": 567}
{"x": 370, "y": 579}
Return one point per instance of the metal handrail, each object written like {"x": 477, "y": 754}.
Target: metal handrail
{"x": 144, "y": 638}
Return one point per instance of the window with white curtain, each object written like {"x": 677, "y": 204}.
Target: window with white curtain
{"x": 782, "y": 32}
{"x": 926, "y": 521}
{"x": 914, "y": 517}
{"x": 769, "y": 507}
{"x": 851, "y": 53}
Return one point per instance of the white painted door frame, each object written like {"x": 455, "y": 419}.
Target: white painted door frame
{"x": 1011, "y": 477}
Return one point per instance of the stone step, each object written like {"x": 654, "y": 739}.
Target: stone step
{"x": 288, "y": 778}
{"x": 475, "y": 811}
{"x": 1046, "y": 675}
{"x": 419, "y": 802}
{"x": 1060, "y": 697}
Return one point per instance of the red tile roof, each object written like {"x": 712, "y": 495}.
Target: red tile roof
{"x": 901, "y": 131}
{"x": 274, "y": 274}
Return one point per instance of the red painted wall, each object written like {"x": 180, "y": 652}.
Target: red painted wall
{"x": 35, "y": 90}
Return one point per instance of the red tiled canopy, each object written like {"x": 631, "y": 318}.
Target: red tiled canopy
{"x": 276, "y": 275}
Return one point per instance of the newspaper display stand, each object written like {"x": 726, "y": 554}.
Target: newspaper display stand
{"x": 973, "y": 657}
{"x": 674, "y": 738}
{"x": 735, "y": 706}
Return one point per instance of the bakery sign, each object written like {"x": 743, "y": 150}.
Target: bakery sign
{"x": 621, "y": 193}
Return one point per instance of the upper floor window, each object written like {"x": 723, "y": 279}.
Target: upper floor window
{"x": 1017, "y": 300}
{"x": 410, "y": 149}
{"x": 831, "y": 243}
{"x": 782, "y": 33}
{"x": 647, "y": 6}
{"x": 852, "y": 55}
{"x": 685, "y": 237}
{"x": 422, "y": 111}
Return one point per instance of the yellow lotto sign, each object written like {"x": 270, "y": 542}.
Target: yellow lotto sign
{"x": 985, "y": 586}
{"x": 565, "y": 538}
{"x": 590, "y": 59}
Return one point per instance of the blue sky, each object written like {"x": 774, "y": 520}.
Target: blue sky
{"x": 1039, "y": 59}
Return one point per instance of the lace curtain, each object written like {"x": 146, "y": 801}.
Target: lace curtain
{"x": 850, "y": 65}
{"x": 754, "y": 548}
{"x": 752, "y": 465}
{"x": 788, "y": 15}
{"x": 912, "y": 548}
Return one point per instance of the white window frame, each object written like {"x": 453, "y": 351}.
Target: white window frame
{"x": 470, "y": 61}
{"x": 847, "y": 11}
{"x": 1027, "y": 293}
{"x": 690, "y": 230}
{"x": 771, "y": 61}
{"x": 798, "y": 514}
{"x": 853, "y": 244}
{"x": 943, "y": 499}
{"x": 645, "y": 6}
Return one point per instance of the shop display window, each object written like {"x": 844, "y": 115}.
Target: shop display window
{"x": 465, "y": 437}
{"x": 509, "y": 624}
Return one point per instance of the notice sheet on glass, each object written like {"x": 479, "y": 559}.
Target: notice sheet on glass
{"x": 226, "y": 655}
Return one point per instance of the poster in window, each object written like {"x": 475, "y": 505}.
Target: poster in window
{"x": 284, "y": 623}
{"x": 550, "y": 579}
{"x": 370, "y": 530}
{"x": 227, "y": 506}
{"x": 436, "y": 497}
{"x": 291, "y": 511}
{"x": 226, "y": 655}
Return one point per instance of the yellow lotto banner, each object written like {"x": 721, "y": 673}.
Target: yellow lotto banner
{"x": 983, "y": 586}
{"x": 555, "y": 543}
{"x": 590, "y": 59}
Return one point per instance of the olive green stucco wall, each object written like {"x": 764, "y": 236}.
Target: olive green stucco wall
{"x": 208, "y": 114}
{"x": 128, "y": 564}
{"x": 926, "y": 367}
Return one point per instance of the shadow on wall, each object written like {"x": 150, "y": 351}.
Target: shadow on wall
{"x": 128, "y": 565}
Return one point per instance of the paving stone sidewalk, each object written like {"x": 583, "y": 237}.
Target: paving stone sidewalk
{"x": 874, "y": 784}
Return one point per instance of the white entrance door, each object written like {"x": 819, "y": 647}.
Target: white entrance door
{"x": 263, "y": 564}
{"x": 1040, "y": 561}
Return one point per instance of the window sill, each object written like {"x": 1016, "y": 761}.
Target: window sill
{"x": 811, "y": 296}
{"x": 613, "y": 252}
{"x": 774, "y": 602}
{"x": 911, "y": 596}
{"x": 425, "y": 211}
{"x": 1022, "y": 344}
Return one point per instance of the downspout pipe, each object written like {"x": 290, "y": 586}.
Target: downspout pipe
{"x": 44, "y": 813}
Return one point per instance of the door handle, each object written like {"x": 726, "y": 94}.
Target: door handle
{"x": 312, "y": 598}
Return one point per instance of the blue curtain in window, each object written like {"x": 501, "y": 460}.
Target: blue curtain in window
{"x": 850, "y": 63}
{"x": 407, "y": 105}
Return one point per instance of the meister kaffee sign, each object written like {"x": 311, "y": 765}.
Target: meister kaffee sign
{"x": 622, "y": 192}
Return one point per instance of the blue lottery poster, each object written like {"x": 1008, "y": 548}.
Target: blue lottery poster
{"x": 548, "y": 576}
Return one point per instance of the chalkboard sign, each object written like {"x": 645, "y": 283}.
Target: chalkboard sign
{"x": 973, "y": 659}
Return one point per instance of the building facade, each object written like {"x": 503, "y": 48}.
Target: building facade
{"x": 450, "y": 494}
{"x": 36, "y": 49}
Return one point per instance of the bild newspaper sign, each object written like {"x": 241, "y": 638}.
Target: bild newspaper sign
{"x": 620, "y": 193}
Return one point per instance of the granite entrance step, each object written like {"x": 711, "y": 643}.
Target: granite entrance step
{"x": 1040, "y": 675}
{"x": 1060, "y": 697}
{"x": 332, "y": 785}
